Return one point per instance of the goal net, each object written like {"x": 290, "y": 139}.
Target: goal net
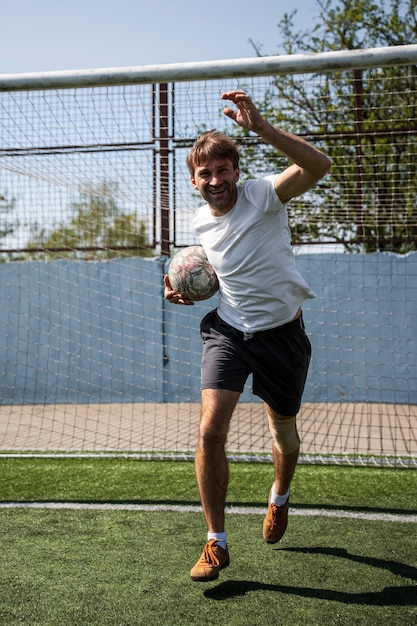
{"x": 94, "y": 199}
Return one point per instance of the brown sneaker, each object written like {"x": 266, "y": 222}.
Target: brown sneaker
{"x": 213, "y": 559}
{"x": 275, "y": 522}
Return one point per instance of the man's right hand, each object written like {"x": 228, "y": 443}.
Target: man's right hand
{"x": 173, "y": 296}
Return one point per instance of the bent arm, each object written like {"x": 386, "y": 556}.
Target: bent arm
{"x": 309, "y": 164}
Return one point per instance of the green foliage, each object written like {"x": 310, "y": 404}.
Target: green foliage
{"x": 98, "y": 229}
{"x": 362, "y": 120}
{"x": 6, "y": 226}
{"x": 6, "y": 206}
{"x": 353, "y": 25}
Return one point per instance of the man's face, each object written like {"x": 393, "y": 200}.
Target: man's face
{"x": 216, "y": 181}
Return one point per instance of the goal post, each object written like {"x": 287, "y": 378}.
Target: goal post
{"x": 95, "y": 197}
{"x": 211, "y": 70}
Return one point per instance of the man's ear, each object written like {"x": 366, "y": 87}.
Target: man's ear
{"x": 193, "y": 183}
{"x": 237, "y": 174}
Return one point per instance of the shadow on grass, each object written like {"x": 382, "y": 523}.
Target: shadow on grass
{"x": 399, "y": 569}
{"x": 390, "y": 596}
{"x": 405, "y": 595}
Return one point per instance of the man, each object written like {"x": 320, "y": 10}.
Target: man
{"x": 257, "y": 328}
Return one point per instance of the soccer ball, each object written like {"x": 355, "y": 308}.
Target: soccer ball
{"x": 191, "y": 274}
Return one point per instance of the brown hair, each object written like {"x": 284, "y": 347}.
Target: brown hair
{"x": 209, "y": 145}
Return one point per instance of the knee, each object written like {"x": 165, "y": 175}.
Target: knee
{"x": 210, "y": 435}
{"x": 217, "y": 406}
{"x": 284, "y": 433}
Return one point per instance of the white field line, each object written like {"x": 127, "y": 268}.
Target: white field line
{"x": 234, "y": 510}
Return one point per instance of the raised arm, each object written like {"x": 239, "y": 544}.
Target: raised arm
{"x": 309, "y": 164}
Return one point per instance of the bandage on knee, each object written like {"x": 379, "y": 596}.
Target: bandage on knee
{"x": 284, "y": 434}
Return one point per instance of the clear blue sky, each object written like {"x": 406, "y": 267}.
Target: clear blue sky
{"x": 42, "y": 35}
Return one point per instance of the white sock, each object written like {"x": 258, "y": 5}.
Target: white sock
{"x": 219, "y": 537}
{"x": 279, "y": 500}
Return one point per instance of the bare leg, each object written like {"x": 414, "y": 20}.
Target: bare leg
{"x": 211, "y": 466}
{"x": 284, "y": 468}
{"x": 284, "y": 464}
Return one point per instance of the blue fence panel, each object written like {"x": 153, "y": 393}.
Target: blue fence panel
{"x": 74, "y": 331}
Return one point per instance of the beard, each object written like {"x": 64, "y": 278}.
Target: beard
{"x": 221, "y": 199}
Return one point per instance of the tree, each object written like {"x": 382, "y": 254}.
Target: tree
{"x": 6, "y": 226}
{"x": 98, "y": 229}
{"x": 364, "y": 120}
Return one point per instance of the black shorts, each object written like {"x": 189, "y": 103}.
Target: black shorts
{"x": 278, "y": 360}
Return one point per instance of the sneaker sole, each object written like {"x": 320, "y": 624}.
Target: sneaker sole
{"x": 204, "y": 579}
{"x": 273, "y": 541}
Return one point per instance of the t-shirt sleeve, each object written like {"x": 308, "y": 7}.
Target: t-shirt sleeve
{"x": 261, "y": 193}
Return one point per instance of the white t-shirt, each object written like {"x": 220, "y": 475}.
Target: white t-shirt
{"x": 250, "y": 249}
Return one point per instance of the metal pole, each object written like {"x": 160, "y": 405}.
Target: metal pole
{"x": 357, "y": 90}
{"x": 164, "y": 168}
{"x": 238, "y": 68}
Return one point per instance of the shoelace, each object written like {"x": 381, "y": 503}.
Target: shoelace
{"x": 208, "y": 554}
{"x": 273, "y": 521}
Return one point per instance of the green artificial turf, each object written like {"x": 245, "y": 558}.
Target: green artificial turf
{"x": 118, "y": 480}
{"x": 132, "y": 568}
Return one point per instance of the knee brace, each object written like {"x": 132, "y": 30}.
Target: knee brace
{"x": 284, "y": 434}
